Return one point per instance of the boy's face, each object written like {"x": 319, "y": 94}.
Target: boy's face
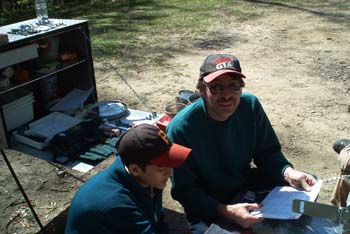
{"x": 152, "y": 176}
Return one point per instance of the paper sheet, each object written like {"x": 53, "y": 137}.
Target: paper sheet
{"x": 82, "y": 167}
{"x": 278, "y": 203}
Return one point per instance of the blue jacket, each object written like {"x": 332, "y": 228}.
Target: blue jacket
{"x": 221, "y": 154}
{"x": 113, "y": 202}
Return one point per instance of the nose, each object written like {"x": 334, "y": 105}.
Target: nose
{"x": 226, "y": 92}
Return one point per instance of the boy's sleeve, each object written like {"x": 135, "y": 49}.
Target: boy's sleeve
{"x": 122, "y": 219}
{"x": 128, "y": 219}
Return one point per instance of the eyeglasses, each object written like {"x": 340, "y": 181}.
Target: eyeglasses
{"x": 219, "y": 89}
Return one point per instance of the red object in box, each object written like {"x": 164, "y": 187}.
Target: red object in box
{"x": 68, "y": 55}
{"x": 163, "y": 122}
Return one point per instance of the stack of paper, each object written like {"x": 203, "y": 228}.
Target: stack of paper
{"x": 278, "y": 203}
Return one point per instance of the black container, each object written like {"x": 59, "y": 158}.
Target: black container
{"x": 193, "y": 97}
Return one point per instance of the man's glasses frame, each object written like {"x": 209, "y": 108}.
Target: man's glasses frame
{"x": 215, "y": 89}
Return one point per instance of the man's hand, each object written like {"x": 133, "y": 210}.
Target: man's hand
{"x": 240, "y": 213}
{"x": 299, "y": 179}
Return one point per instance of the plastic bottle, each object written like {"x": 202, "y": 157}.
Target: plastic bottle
{"x": 41, "y": 11}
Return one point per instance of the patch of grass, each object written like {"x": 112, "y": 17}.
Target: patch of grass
{"x": 151, "y": 28}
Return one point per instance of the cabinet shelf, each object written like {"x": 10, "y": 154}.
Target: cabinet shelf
{"x": 36, "y": 77}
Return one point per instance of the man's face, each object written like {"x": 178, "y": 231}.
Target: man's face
{"x": 153, "y": 176}
{"x": 221, "y": 104}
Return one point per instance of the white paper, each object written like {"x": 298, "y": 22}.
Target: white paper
{"x": 83, "y": 167}
{"x": 278, "y": 203}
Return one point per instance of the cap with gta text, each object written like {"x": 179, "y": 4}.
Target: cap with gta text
{"x": 146, "y": 143}
{"x": 217, "y": 64}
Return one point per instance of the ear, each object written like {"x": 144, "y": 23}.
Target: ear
{"x": 134, "y": 169}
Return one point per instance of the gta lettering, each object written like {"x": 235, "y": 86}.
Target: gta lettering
{"x": 163, "y": 136}
{"x": 223, "y": 65}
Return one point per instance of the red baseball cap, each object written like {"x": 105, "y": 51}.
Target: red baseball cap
{"x": 217, "y": 64}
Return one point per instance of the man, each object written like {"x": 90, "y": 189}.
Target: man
{"x": 227, "y": 130}
{"x": 126, "y": 197}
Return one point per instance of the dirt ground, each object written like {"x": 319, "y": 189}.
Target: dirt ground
{"x": 297, "y": 61}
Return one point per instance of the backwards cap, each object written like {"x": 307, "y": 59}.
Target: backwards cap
{"x": 146, "y": 143}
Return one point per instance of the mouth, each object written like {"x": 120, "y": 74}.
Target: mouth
{"x": 226, "y": 104}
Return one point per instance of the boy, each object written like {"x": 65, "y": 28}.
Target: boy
{"x": 126, "y": 197}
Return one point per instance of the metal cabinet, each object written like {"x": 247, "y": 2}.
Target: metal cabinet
{"x": 47, "y": 62}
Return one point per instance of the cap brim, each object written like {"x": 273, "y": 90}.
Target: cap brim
{"x": 174, "y": 157}
{"x": 209, "y": 78}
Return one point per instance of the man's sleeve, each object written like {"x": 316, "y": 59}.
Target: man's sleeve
{"x": 268, "y": 155}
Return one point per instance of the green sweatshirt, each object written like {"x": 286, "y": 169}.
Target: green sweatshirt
{"x": 221, "y": 154}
